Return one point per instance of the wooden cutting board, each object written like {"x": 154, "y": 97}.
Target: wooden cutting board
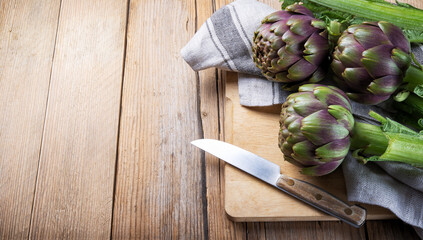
{"x": 249, "y": 199}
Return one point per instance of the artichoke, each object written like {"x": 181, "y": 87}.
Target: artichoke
{"x": 290, "y": 46}
{"x": 370, "y": 61}
{"x": 315, "y": 128}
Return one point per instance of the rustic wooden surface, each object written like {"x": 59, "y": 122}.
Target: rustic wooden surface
{"x": 97, "y": 112}
{"x": 74, "y": 188}
{"x": 27, "y": 42}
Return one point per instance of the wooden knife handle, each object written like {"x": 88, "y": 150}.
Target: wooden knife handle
{"x": 354, "y": 215}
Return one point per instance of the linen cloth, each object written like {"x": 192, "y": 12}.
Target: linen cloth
{"x": 225, "y": 41}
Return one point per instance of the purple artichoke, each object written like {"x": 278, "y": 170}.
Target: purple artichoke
{"x": 370, "y": 61}
{"x": 315, "y": 128}
{"x": 290, "y": 46}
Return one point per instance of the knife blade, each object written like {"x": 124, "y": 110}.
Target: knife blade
{"x": 269, "y": 172}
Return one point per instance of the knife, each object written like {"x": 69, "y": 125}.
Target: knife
{"x": 269, "y": 172}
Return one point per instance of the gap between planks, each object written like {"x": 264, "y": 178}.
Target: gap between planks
{"x": 44, "y": 122}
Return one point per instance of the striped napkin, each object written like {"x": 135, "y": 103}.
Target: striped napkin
{"x": 225, "y": 41}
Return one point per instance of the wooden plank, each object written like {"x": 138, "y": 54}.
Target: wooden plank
{"x": 27, "y": 36}
{"x": 256, "y": 231}
{"x": 159, "y": 186}
{"x": 219, "y": 226}
{"x": 390, "y": 230}
{"x": 312, "y": 230}
{"x": 211, "y": 107}
{"x": 74, "y": 191}
{"x": 303, "y": 230}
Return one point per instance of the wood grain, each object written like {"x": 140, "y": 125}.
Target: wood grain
{"x": 27, "y": 35}
{"x": 74, "y": 190}
{"x": 303, "y": 230}
{"x": 211, "y": 86}
{"x": 164, "y": 187}
{"x": 390, "y": 230}
{"x": 159, "y": 188}
{"x": 312, "y": 230}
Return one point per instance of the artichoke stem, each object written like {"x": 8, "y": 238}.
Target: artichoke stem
{"x": 415, "y": 103}
{"x": 369, "y": 138}
{"x": 411, "y": 110}
{"x": 412, "y": 103}
{"x": 370, "y": 141}
{"x": 414, "y": 77}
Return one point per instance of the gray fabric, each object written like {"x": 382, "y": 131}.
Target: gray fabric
{"x": 224, "y": 41}
{"x": 371, "y": 184}
{"x": 254, "y": 90}
{"x": 418, "y": 52}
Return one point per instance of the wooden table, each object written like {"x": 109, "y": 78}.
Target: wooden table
{"x": 96, "y": 114}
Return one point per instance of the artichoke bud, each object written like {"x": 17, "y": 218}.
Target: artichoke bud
{"x": 315, "y": 128}
{"x": 300, "y": 41}
{"x": 370, "y": 61}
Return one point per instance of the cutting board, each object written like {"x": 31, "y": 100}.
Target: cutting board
{"x": 249, "y": 199}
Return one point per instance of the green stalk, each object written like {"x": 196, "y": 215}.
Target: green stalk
{"x": 397, "y": 143}
{"x": 412, "y": 105}
{"x": 369, "y": 138}
{"x": 404, "y": 148}
{"x": 411, "y": 99}
{"x": 408, "y": 18}
{"x": 414, "y": 78}
{"x": 415, "y": 103}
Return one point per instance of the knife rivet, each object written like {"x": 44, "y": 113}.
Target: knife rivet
{"x": 290, "y": 182}
{"x": 318, "y": 197}
{"x": 348, "y": 211}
